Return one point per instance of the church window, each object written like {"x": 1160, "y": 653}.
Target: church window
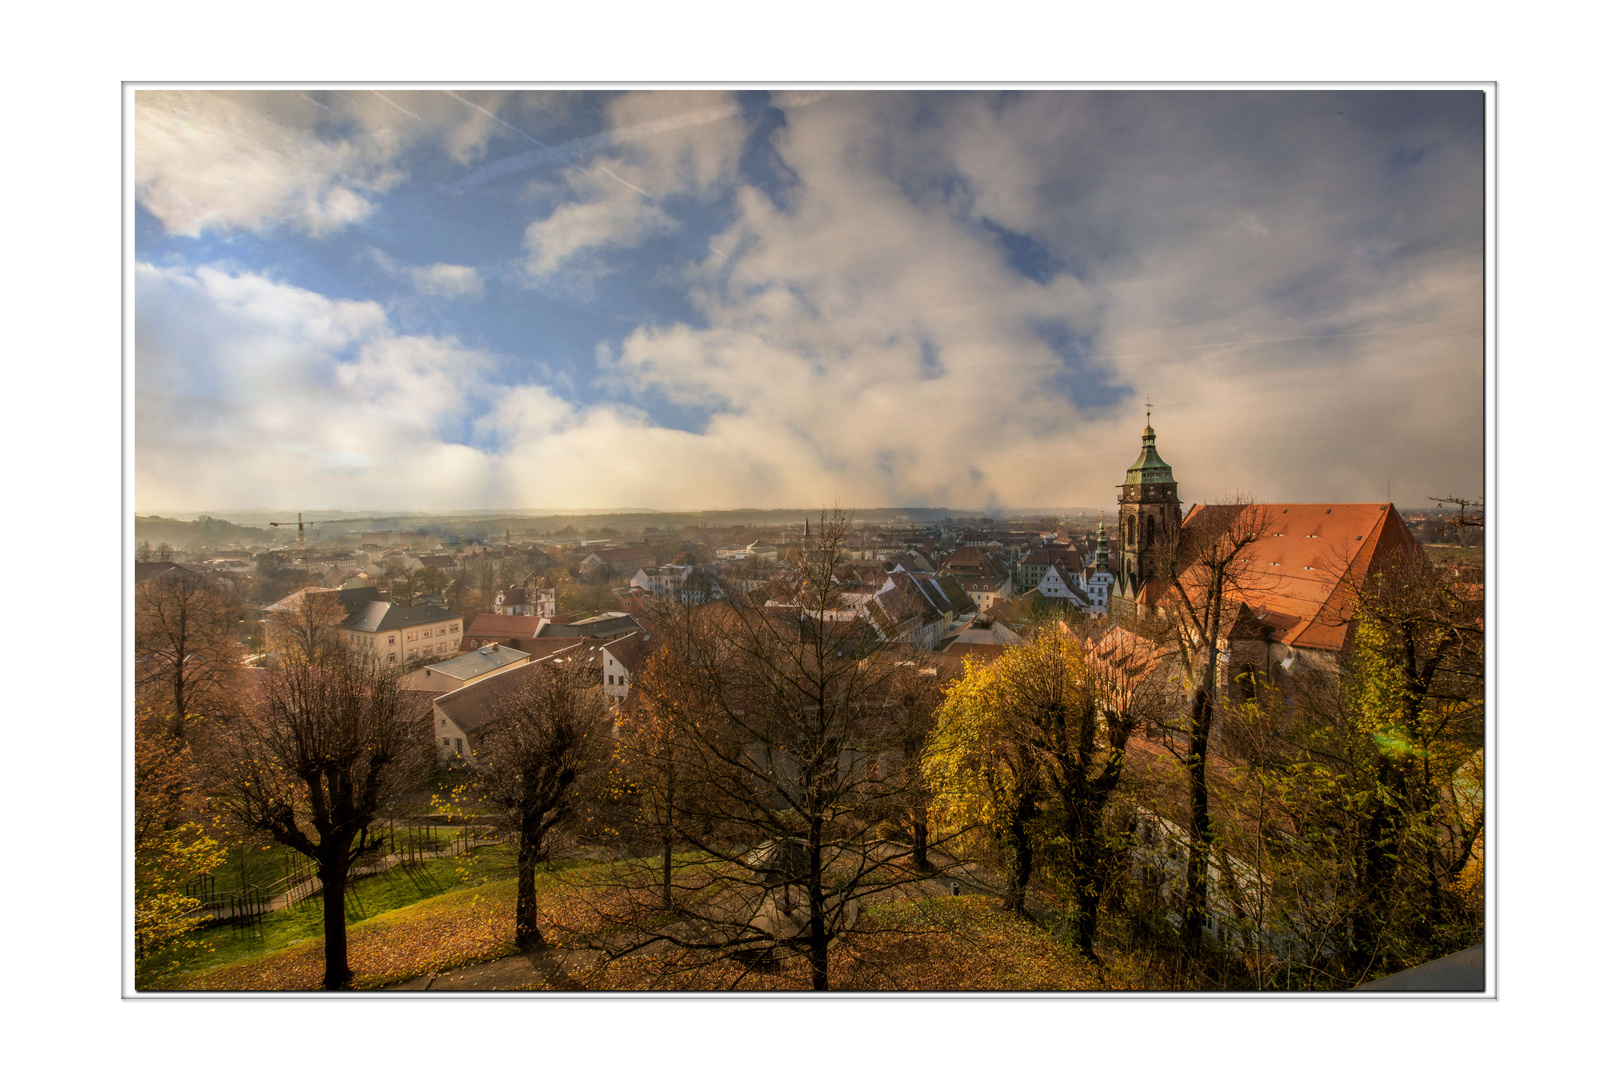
{"x": 1151, "y": 531}
{"x": 1129, "y": 530}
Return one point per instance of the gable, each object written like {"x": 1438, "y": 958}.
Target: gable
{"x": 1301, "y": 577}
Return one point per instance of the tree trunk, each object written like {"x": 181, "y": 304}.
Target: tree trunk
{"x": 819, "y": 940}
{"x": 668, "y": 870}
{"x": 1022, "y": 866}
{"x": 918, "y": 839}
{"x": 528, "y": 936}
{"x": 333, "y": 883}
{"x": 180, "y": 654}
{"x": 1086, "y": 879}
{"x": 1196, "y": 867}
{"x": 668, "y": 834}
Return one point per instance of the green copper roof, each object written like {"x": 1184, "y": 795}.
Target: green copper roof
{"x": 1149, "y": 468}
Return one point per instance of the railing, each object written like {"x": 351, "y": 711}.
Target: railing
{"x": 409, "y": 845}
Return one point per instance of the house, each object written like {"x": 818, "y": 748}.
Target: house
{"x": 984, "y": 642}
{"x": 608, "y": 625}
{"x": 618, "y": 560}
{"x": 458, "y": 671}
{"x": 146, "y": 571}
{"x": 919, "y": 608}
{"x": 1059, "y": 583}
{"x": 621, "y": 661}
{"x": 399, "y": 634}
{"x": 1089, "y": 589}
{"x": 536, "y": 599}
{"x": 677, "y": 581}
{"x": 983, "y": 574}
{"x": 461, "y": 718}
{"x": 485, "y": 629}
{"x": 461, "y": 715}
{"x": 1030, "y": 569}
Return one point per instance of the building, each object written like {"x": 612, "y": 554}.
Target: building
{"x": 462, "y": 718}
{"x": 450, "y": 675}
{"x": 1148, "y": 519}
{"x": 399, "y": 635}
{"x": 1292, "y": 600}
{"x": 618, "y": 560}
{"x": 1296, "y": 603}
{"x": 513, "y": 630}
{"x": 621, "y": 661}
{"x": 536, "y": 599}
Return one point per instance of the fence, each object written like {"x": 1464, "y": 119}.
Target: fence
{"x": 408, "y": 845}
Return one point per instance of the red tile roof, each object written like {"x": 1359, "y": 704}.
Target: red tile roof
{"x": 483, "y": 625}
{"x": 1312, "y": 561}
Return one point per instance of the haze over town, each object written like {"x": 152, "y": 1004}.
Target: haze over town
{"x": 444, "y": 300}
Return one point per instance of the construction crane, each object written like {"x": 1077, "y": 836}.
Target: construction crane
{"x": 300, "y": 523}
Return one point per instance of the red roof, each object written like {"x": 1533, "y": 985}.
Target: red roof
{"x": 484, "y": 625}
{"x": 1311, "y": 561}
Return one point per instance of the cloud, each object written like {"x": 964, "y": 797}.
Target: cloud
{"x": 443, "y": 281}
{"x": 660, "y": 145}
{"x": 568, "y": 245}
{"x": 244, "y": 384}
{"x": 313, "y": 162}
{"x": 964, "y": 301}
{"x": 1308, "y": 324}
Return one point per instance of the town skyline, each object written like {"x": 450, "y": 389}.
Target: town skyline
{"x": 670, "y": 300}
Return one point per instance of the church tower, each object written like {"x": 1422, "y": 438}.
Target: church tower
{"x": 1148, "y": 516}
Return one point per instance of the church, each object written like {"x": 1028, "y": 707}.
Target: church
{"x": 1148, "y": 524}
{"x": 1309, "y": 566}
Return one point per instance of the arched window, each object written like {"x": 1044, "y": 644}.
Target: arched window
{"x": 1129, "y": 530}
{"x": 1151, "y": 530}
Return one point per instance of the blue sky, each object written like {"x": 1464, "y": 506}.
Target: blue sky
{"x": 460, "y": 299}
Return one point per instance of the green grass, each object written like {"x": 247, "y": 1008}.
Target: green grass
{"x": 367, "y": 897}
{"x": 256, "y": 863}
{"x": 266, "y": 863}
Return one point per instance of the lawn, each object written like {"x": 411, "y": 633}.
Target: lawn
{"x": 962, "y": 944}
{"x": 367, "y": 898}
{"x": 965, "y": 943}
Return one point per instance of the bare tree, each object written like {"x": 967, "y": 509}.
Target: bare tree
{"x": 330, "y": 739}
{"x": 1210, "y": 569}
{"x": 303, "y": 629}
{"x": 911, "y": 699}
{"x": 773, "y": 709}
{"x": 546, "y": 743}
{"x": 186, "y": 653}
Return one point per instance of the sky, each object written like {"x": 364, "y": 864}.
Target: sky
{"x": 457, "y": 299}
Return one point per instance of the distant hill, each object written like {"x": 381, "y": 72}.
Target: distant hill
{"x": 247, "y": 527}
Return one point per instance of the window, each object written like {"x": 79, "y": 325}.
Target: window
{"x": 390, "y": 639}
{"x": 442, "y": 722}
{"x": 457, "y": 746}
{"x": 446, "y": 744}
